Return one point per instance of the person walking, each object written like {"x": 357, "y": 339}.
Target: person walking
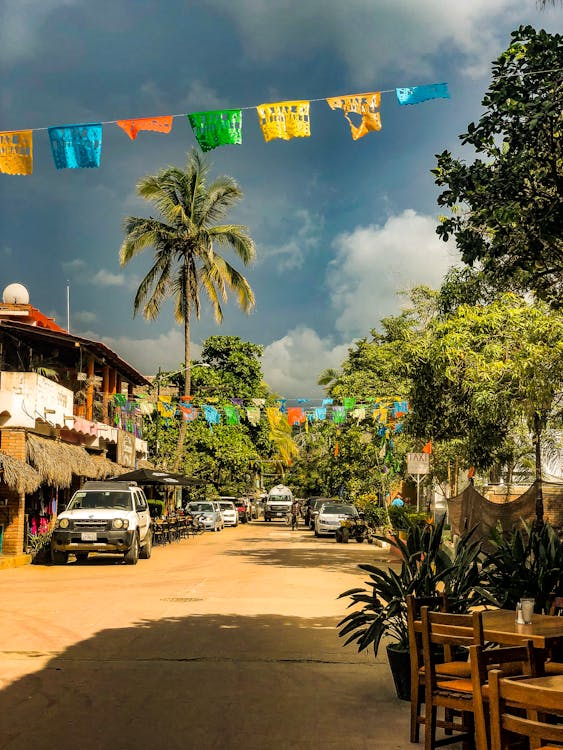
{"x": 295, "y": 513}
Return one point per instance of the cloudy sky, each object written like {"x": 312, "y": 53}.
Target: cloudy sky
{"x": 340, "y": 226}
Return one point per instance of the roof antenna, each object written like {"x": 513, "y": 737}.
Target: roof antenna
{"x": 68, "y": 306}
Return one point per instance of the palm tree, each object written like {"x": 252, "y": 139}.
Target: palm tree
{"x": 328, "y": 378}
{"x": 184, "y": 242}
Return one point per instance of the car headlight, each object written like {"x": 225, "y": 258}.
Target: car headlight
{"x": 63, "y": 523}
{"x": 120, "y": 523}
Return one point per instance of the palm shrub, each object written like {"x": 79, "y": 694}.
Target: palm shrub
{"x": 427, "y": 567}
{"x": 527, "y": 562}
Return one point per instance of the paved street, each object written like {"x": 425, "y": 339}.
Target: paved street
{"x": 222, "y": 641}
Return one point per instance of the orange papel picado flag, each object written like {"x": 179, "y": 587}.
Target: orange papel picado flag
{"x": 158, "y": 124}
{"x": 16, "y": 152}
{"x": 365, "y": 105}
{"x": 284, "y": 120}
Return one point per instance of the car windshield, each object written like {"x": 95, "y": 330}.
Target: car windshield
{"x": 101, "y": 499}
{"x": 317, "y": 503}
{"x": 226, "y": 506}
{"x": 348, "y": 510}
{"x": 280, "y": 498}
{"x": 207, "y": 507}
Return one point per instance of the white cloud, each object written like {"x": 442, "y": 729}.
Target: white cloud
{"x": 73, "y": 267}
{"x": 292, "y": 253}
{"x": 376, "y": 36}
{"x": 84, "y": 317}
{"x": 107, "y": 278}
{"x": 148, "y": 354}
{"x": 292, "y": 364}
{"x": 372, "y": 263}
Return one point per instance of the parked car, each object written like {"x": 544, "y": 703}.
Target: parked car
{"x": 316, "y": 506}
{"x": 329, "y": 516}
{"x": 104, "y": 517}
{"x": 244, "y": 508}
{"x": 209, "y": 512}
{"x": 229, "y": 511}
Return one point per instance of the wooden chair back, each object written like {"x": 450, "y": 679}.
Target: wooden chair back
{"x": 504, "y": 693}
{"x": 448, "y": 631}
{"x": 555, "y": 605}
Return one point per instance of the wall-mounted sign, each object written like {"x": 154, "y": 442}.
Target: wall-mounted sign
{"x": 126, "y": 449}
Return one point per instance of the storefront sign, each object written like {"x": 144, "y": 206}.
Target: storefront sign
{"x": 38, "y": 398}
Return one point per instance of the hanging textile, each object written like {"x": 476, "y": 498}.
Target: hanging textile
{"x": 189, "y": 413}
{"x": 284, "y": 120}
{"x": 186, "y": 399}
{"x": 218, "y": 128}
{"x": 146, "y": 408}
{"x": 380, "y": 414}
{"x": 398, "y": 428}
{"x": 417, "y": 94}
{"x": 274, "y": 415}
{"x": 76, "y": 146}
{"x": 253, "y": 415}
{"x": 302, "y": 400}
{"x": 231, "y": 414}
{"x": 336, "y": 449}
{"x": 348, "y": 403}
{"x": 157, "y": 124}
{"x": 339, "y": 415}
{"x": 365, "y": 105}
{"x": 259, "y": 402}
{"x": 428, "y": 449}
{"x": 212, "y": 416}
{"x": 120, "y": 399}
{"x": 280, "y": 402}
{"x": 320, "y": 413}
{"x": 359, "y": 413}
{"x": 237, "y": 401}
{"x": 295, "y": 415}
{"x": 16, "y": 152}
{"x": 400, "y": 408}
{"x": 327, "y": 401}
{"x": 165, "y": 406}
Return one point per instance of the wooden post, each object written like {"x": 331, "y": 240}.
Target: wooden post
{"x": 90, "y": 389}
{"x": 105, "y": 393}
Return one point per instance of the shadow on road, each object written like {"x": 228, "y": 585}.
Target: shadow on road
{"x": 334, "y": 559}
{"x": 206, "y": 681}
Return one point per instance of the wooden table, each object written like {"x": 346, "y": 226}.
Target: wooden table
{"x": 500, "y": 626}
{"x": 550, "y": 682}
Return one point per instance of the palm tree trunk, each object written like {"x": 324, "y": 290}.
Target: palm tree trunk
{"x": 187, "y": 371}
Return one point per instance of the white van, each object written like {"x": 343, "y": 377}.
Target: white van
{"x": 278, "y": 502}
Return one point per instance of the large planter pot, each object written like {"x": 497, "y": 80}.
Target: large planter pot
{"x": 400, "y": 663}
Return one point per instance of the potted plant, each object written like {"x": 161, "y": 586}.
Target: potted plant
{"x": 426, "y": 568}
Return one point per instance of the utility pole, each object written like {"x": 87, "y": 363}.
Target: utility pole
{"x": 157, "y": 415}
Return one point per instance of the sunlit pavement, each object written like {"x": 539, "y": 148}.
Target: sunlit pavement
{"x": 227, "y": 640}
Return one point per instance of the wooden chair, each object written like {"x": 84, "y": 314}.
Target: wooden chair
{"x": 515, "y": 660}
{"x": 158, "y": 532}
{"x": 505, "y": 723}
{"x": 445, "y": 630}
{"x": 554, "y": 665}
{"x": 450, "y": 667}
{"x": 464, "y": 695}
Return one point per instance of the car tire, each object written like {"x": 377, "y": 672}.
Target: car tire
{"x": 360, "y": 539}
{"x": 131, "y": 557}
{"x": 58, "y": 557}
{"x": 338, "y": 536}
{"x": 345, "y": 536}
{"x": 146, "y": 549}
{"x": 81, "y": 556}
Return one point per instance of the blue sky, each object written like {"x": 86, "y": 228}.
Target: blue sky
{"x": 340, "y": 226}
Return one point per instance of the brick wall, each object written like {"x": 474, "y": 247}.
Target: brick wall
{"x": 12, "y": 518}
{"x": 13, "y": 443}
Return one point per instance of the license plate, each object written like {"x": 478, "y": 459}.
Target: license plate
{"x": 89, "y": 536}
{"x": 280, "y": 514}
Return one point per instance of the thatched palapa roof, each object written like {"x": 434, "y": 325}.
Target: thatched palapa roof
{"x": 56, "y": 462}
{"x": 18, "y": 475}
{"x": 107, "y": 468}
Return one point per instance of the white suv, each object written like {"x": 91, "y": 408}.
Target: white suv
{"x": 104, "y": 517}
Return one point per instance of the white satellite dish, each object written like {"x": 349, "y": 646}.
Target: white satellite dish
{"x": 15, "y": 294}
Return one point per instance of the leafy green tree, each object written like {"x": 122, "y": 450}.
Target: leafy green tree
{"x": 185, "y": 242}
{"x": 507, "y": 205}
{"x": 486, "y": 368}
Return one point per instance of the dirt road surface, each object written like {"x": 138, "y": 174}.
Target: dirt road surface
{"x": 224, "y": 641}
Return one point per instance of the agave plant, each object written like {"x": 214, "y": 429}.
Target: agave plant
{"x": 526, "y": 562}
{"x": 427, "y": 567}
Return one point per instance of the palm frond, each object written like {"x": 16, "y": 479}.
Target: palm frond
{"x": 237, "y": 237}
{"x": 220, "y": 197}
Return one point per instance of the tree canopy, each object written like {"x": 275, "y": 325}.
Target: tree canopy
{"x": 507, "y": 205}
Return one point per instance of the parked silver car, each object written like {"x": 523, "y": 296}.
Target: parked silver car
{"x": 228, "y": 511}
{"x": 329, "y": 516}
{"x": 209, "y": 512}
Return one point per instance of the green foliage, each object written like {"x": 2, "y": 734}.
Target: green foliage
{"x": 401, "y": 518}
{"x": 526, "y": 562}
{"x": 156, "y": 508}
{"x": 513, "y": 194}
{"x": 375, "y": 515}
{"x": 426, "y": 568}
